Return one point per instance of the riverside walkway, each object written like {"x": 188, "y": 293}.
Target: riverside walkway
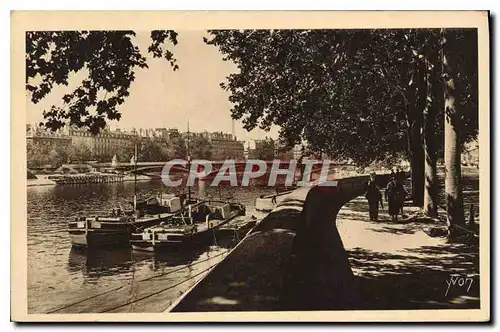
{"x": 318, "y": 251}
{"x": 398, "y": 265}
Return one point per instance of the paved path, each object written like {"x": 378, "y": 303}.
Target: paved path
{"x": 398, "y": 266}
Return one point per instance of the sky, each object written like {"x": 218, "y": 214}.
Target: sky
{"x": 160, "y": 97}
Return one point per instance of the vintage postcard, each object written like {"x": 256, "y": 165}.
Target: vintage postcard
{"x": 250, "y": 166}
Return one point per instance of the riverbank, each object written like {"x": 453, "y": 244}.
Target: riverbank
{"x": 39, "y": 182}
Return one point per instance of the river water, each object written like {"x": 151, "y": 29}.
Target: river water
{"x": 59, "y": 276}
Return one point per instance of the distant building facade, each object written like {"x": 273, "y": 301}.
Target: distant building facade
{"x": 103, "y": 145}
{"x": 38, "y": 136}
{"x": 173, "y": 133}
{"x": 226, "y": 146}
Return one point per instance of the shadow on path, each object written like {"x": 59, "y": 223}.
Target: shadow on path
{"x": 397, "y": 266}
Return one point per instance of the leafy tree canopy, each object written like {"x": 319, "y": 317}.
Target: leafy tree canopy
{"x": 110, "y": 59}
{"x": 350, "y": 93}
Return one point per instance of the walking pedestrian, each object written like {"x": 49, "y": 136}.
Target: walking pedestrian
{"x": 273, "y": 199}
{"x": 401, "y": 177}
{"x": 374, "y": 197}
{"x": 395, "y": 195}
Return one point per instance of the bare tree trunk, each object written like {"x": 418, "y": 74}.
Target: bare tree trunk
{"x": 430, "y": 117}
{"x": 417, "y": 165}
{"x": 415, "y": 140}
{"x": 453, "y": 189}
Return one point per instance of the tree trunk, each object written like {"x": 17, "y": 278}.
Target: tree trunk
{"x": 415, "y": 140}
{"x": 430, "y": 117}
{"x": 452, "y": 144}
{"x": 417, "y": 165}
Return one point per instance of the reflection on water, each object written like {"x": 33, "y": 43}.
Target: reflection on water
{"x": 59, "y": 274}
{"x": 97, "y": 263}
{"x": 172, "y": 257}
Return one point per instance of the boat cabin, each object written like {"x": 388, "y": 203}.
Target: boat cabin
{"x": 214, "y": 210}
{"x": 171, "y": 201}
{"x": 220, "y": 210}
{"x": 162, "y": 203}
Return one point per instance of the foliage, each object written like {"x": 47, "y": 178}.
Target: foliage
{"x": 148, "y": 150}
{"x": 177, "y": 148}
{"x": 58, "y": 157}
{"x": 353, "y": 94}
{"x": 109, "y": 58}
{"x": 200, "y": 148}
{"x": 79, "y": 153}
{"x": 464, "y": 58}
{"x": 123, "y": 152}
{"x": 39, "y": 155}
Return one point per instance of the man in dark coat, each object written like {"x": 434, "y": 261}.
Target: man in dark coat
{"x": 374, "y": 197}
{"x": 395, "y": 195}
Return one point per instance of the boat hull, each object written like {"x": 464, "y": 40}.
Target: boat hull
{"x": 101, "y": 232}
{"x": 172, "y": 241}
{"x": 168, "y": 236}
{"x": 92, "y": 238}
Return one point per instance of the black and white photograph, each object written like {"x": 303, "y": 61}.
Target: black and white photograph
{"x": 326, "y": 166}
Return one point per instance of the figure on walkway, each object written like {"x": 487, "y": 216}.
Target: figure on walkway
{"x": 401, "y": 177}
{"x": 395, "y": 195}
{"x": 374, "y": 197}
{"x": 273, "y": 200}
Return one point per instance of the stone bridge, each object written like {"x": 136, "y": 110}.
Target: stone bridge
{"x": 155, "y": 168}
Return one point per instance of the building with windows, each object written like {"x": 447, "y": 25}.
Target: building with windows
{"x": 103, "y": 145}
{"x": 39, "y": 136}
{"x": 226, "y": 146}
{"x": 161, "y": 133}
{"x": 173, "y": 133}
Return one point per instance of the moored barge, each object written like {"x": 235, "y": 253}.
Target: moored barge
{"x": 194, "y": 225}
{"x": 116, "y": 227}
